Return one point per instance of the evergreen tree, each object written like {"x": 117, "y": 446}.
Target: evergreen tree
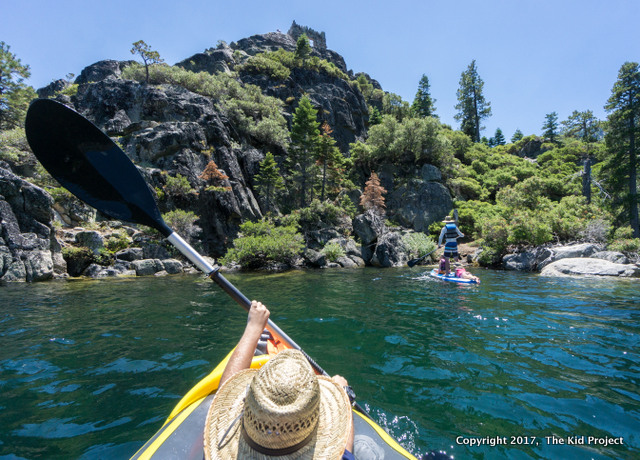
{"x": 375, "y": 117}
{"x": 582, "y": 125}
{"x": 472, "y": 106}
{"x": 392, "y": 104}
{"x": 372, "y": 198}
{"x": 586, "y": 127}
{"x": 213, "y": 176}
{"x": 423, "y": 104}
{"x": 15, "y": 95}
{"x": 305, "y": 138}
{"x": 550, "y": 127}
{"x": 498, "y": 138}
{"x": 303, "y": 48}
{"x": 622, "y": 140}
{"x": 328, "y": 155}
{"x": 517, "y": 136}
{"x": 269, "y": 180}
{"x": 366, "y": 87}
{"x": 148, "y": 56}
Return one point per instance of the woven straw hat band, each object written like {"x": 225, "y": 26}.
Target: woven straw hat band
{"x": 282, "y": 404}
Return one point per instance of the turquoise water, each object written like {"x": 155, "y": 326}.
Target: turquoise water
{"x": 90, "y": 369}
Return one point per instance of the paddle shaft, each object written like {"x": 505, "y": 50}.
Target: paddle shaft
{"x": 215, "y": 275}
{"x": 412, "y": 262}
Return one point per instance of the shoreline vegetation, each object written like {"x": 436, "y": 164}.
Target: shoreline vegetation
{"x": 270, "y": 153}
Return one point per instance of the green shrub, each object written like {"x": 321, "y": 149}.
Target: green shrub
{"x": 178, "y": 186}
{"x": 13, "y": 145}
{"x": 623, "y": 233}
{"x": 262, "y": 243}
{"x": 60, "y": 194}
{"x": 526, "y": 228}
{"x": 261, "y": 64}
{"x": 332, "y": 251}
{"x": 117, "y": 242}
{"x": 183, "y": 223}
{"x": 76, "y": 252}
{"x": 70, "y": 90}
{"x": 319, "y": 214}
{"x": 631, "y": 245}
{"x": 245, "y": 104}
{"x": 495, "y": 233}
{"x": 418, "y": 244}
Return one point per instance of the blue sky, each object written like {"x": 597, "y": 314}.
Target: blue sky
{"x": 535, "y": 56}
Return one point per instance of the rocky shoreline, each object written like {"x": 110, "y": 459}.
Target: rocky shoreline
{"x": 173, "y": 134}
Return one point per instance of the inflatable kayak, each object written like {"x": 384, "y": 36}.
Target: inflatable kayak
{"x": 182, "y": 435}
{"x": 451, "y": 277}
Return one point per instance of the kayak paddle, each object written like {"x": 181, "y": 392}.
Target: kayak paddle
{"x": 91, "y": 166}
{"x": 412, "y": 262}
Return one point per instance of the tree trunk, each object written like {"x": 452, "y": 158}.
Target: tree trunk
{"x": 633, "y": 171}
{"x": 324, "y": 179}
{"x": 476, "y": 117}
{"x": 586, "y": 180}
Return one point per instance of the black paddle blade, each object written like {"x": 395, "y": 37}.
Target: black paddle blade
{"x": 90, "y": 165}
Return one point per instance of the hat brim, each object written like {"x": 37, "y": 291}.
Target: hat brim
{"x": 328, "y": 441}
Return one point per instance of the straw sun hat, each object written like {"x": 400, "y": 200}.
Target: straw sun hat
{"x": 282, "y": 410}
{"x": 448, "y": 220}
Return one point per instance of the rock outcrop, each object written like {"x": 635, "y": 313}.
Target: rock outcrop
{"x": 590, "y": 267}
{"x": 576, "y": 259}
{"x": 29, "y": 250}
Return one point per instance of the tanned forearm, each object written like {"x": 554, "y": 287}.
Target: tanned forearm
{"x": 243, "y": 354}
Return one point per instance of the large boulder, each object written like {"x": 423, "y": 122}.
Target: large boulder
{"x": 418, "y": 204}
{"x": 570, "y": 252}
{"x": 528, "y": 260}
{"x": 28, "y": 246}
{"x": 390, "y": 251}
{"x": 589, "y": 266}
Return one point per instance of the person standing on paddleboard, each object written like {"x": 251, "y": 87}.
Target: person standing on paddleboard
{"x": 450, "y": 234}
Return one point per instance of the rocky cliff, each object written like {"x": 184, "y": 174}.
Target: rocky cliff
{"x": 169, "y": 131}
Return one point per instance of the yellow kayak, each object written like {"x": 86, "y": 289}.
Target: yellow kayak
{"x": 182, "y": 434}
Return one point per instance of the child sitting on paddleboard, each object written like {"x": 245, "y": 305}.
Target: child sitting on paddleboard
{"x": 462, "y": 273}
{"x": 442, "y": 269}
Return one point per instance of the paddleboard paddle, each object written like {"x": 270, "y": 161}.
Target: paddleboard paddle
{"x": 412, "y": 262}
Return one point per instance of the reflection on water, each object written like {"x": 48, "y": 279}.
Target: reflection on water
{"x": 90, "y": 369}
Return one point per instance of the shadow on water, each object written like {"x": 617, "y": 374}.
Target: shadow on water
{"x": 90, "y": 369}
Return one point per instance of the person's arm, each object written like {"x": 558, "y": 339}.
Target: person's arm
{"x": 243, "y": 354}
{"x": 343, "y": 383}
{"x": 442, "y": 232}
{"x": 459, "y": 232}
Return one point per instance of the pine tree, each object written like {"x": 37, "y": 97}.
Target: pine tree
{"x": 15, "y": 95}
{"x": 305, "y": 138}
{"x": 328, "y": 155}
{"x": 375, "y": 117}
{"x": 498, "y": 138}
{"x": 622, "y": 140}
{"x": 303, "y": 48}
{"x": 517, "y": 136}
{"x": 372, "y": 198}
{"x": 472, "y": 106}
{"x": 586, "y": 127}
{"x": 550, "y": 127}
{"x": 423, "y": 104}
{"x": 269, "y": 180}
{"x": 582, "y": 125}
{"x": 148, "y": 56}
{"x": 213, "y": 176}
